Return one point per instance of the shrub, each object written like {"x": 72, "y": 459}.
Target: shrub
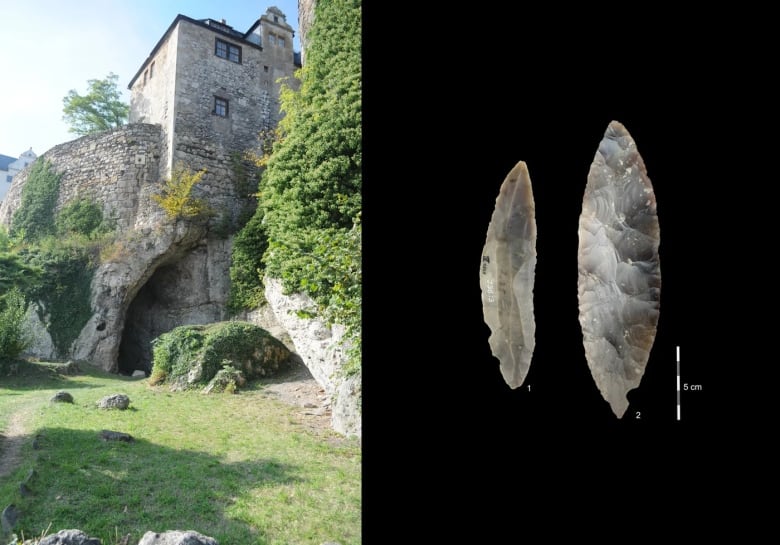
{"x": 35, "y": 217}
{"x": 192, "y": 355}
{"x": 81, "y": 217}
{"x": 176, "y": 196}
{"x": 64, "y": 286}
{"x": 246, "y": 287}
{"x": 13, "y": 340}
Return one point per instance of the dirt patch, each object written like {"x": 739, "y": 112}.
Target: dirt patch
{"x": 11, "y": 443}
{"x": 297, "y": 387}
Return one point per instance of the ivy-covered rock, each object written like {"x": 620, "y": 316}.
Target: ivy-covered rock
{"x": 228, "y": 379}
{"x": 191, "y": 355}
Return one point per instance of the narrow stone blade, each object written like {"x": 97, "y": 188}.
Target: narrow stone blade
{"x": 506, "y": 276}
{"x": 619, "y": 282}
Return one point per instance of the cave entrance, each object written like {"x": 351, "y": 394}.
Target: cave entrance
{"x": 135, "y": 348}
{"x": 178, "y": 293}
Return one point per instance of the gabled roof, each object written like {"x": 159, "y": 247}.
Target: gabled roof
{"x": 5, "y": 161}
{"x": 232, "y": 34}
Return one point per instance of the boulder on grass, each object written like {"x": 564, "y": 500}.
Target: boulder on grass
{"x": 228, "y": 379}
{"x": 177, "y": 537}
{"x": 62, "y": 397}
{"x": 114, "y": 401}
{"x": 70, "y": 537}
{"x": 191, "y": 355}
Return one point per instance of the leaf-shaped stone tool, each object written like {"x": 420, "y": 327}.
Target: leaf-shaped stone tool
{"x": 506, "y": 276}
{"x": 619, "y": 281}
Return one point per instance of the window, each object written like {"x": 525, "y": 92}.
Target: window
{"x": 265, "y": 69}
{"x": 9, "y": 178}
{"x": 146, "y": 73}
{"x": 151, "y": 70}
{"x": 272, "y": 39}
{"x": 227, "y": 51}
{"x": 281, "y": 42}
{"x": 220, "y": 107}
{"x": 276, "y": 18}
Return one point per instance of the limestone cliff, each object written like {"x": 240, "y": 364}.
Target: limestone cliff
{"x": 159, "y": 273}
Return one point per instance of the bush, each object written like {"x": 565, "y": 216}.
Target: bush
{"x": 35, "y": 217}
{"x": 246, "y": 286}
{"x": 192, "y": 355}
{"x": 311, "y": 201}
{"x": 13, "y": 340}
{"x": 81, "y": 217}
{"x": 64, "y": 286}
{"x": 176, "y": 196}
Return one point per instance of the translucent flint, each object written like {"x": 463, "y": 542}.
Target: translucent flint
{"x": 619, "y": 281}
{"x": 506, "y": 276}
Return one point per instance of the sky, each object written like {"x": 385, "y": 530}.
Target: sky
{"x": 50, "y": 47}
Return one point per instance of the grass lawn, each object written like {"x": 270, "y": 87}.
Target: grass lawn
{"x": 239, "y": 468}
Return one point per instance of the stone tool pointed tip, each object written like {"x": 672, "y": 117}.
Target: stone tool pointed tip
{"x": 619, "y": 275}
{"x": 507, "y": 276}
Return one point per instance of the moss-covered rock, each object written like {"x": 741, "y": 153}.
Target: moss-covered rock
{"x": 228, "y": 379}
{"x": 192, "y": 355}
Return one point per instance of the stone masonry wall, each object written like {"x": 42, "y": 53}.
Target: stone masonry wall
{"x": 109, "y": 168}
{"x": 205, "y": 140}
{"x": 152, "y": 97}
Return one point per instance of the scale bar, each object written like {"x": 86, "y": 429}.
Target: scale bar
{"x": 678, "y": 383}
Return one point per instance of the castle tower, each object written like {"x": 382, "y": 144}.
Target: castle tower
{"x": 213, "y": 88}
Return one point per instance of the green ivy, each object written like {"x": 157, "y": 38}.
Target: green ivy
{"x": 13, "y": 340}
{"x": 35, "y": 217}
{"x": 81, "y": 217}
{"x": 246, "y": 286}
{"x": 67, "y": 267}
{"x": 214, "y": 346}
{"x": 310, "y": 204}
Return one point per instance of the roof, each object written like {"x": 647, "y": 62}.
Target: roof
{"x": 217, "y": 27}
{"x": 232, "y": 34}
{"x": 5, "y": 161}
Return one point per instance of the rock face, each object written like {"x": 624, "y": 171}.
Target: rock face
{"x": 177, "y": 537}
{"x": 319, "y": 346}
{"x": 159, "y": 273}
{"x": 506, "y": 276}
{"x": 305, "y": 20}
{"x": 619, "y": 271}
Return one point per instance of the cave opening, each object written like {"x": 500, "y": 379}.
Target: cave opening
{"x": 178, "y": 293}
{"x": 135, "y": 348}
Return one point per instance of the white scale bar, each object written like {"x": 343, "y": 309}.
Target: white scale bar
{"x": 678, "y": 383}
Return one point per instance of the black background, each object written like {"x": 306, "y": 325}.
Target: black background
{"x": 444, "y": 123}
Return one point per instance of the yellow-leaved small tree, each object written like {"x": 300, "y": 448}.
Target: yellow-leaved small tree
{"x": 176, "y": 196}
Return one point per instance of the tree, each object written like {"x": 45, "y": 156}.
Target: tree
{"x": 99, "y": 110}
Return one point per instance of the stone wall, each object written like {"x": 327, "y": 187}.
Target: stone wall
{"x": 110, "y": 168}
{"x": 152, "y": 96}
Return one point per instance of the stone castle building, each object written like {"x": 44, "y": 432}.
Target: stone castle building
{"x": 211, "y": 88}
{"x": 200, "y": 100}
{"x": 10, "y": 167}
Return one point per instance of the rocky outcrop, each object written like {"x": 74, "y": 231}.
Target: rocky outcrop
{"x": 321, "y": 349}
{"x": 158, "y": 274}
{"x": 305, "y": 20}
